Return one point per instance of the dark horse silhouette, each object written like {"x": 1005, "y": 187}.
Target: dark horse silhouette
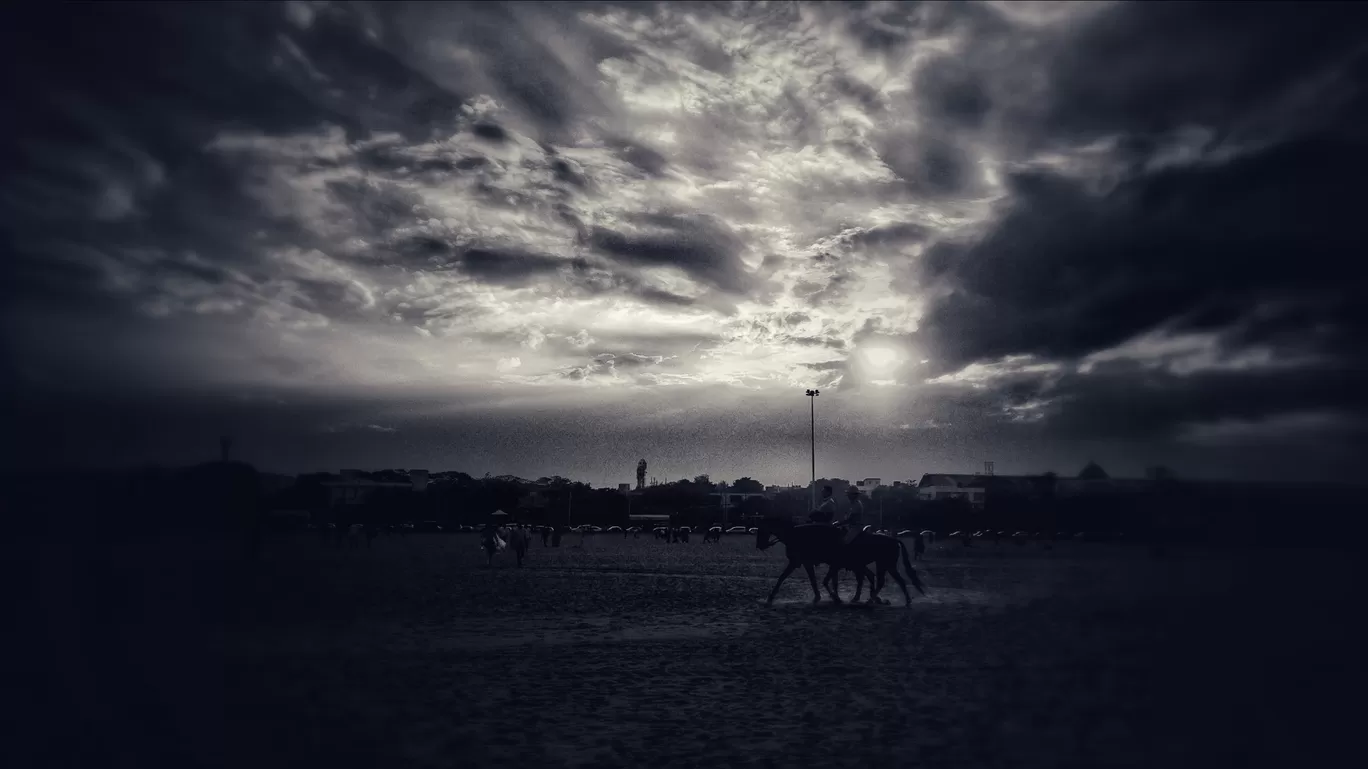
{"x": 882, "y": 552}
{"x": 810, "y": 544}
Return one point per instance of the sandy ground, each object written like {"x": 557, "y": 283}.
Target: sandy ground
{"x": 617, "y": 652}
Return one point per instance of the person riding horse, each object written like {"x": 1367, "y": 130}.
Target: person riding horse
{"x": 826, "y": 511}
{"x": 809, "y": 545}
{"x": 854, "y": 520}
{"x": 852, "y": 526}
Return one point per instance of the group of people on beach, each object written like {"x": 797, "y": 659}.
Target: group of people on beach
{"x": 495, "y": 538}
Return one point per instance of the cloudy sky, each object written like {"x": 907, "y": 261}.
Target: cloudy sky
{"x": 557, "y": 238}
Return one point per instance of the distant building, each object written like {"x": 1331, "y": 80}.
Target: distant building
{"x": 730, "y": 499}
{"x": 625, "y": 488}
{"x": 868, "y": 485}
{"x": 976, "y": 488}
{"x": 953, "y": 486}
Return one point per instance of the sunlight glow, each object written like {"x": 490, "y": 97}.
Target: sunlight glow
{"x": 881, "y": 358}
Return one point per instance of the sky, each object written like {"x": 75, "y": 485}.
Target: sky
{"x": 556, "y": 238}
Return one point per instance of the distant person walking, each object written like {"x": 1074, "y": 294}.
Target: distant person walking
{"x": 491, "y": 543}
{"x": 519, "y": 539}
{"x": 918, "y": 547}
{"x": 546, "y": 535}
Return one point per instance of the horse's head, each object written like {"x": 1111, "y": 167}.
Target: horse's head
{"x": 766, "y": 534}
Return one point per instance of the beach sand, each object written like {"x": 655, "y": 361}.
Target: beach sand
{"x": 613, "y": 652}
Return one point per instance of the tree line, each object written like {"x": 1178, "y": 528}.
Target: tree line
{"x": 233, "y": 497}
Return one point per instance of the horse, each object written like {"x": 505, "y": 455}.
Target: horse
{"x": 811, "y": 544}
{"x": 883, "y": 552}
{"x": 806, "y": 545}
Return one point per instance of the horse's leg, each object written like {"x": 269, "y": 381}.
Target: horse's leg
{"x": 877, "y": 580}
{"x": 902, "y": 583}
{"x": 787, "y": 571}
{"x": 832, "y": 583}
{"x": 865, "y": 573}
{"x": 859, "y": 584}
{"x": 812, "y": 578}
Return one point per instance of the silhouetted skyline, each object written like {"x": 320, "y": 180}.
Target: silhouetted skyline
{"x": 544, "y": 239}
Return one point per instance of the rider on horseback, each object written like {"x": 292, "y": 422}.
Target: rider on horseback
{"x": 826, "y": 511}
{"x": 854, "y": 520}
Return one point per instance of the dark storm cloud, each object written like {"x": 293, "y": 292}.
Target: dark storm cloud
{"x": 156, "y": 83}
{"x": 597, "y": 278}
{"x": 376, "y": 207}
{"x": 507, "y": 268}
{"x": 1123, "y": 400}
{"x": 929, "y": 164}
{"x": 953, "y": 92}
{"x": 1067, "y": 272}
{"x": 1255, "y": 241}
{"x": 704, "y": 249}
{"x": 1150, "y": 68}
{"x": 642, "y": 157}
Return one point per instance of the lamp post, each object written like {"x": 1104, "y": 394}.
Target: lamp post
{"x": 812, "y": 396}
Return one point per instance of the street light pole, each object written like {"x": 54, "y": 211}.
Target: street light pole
{"x": 812, "y": 396}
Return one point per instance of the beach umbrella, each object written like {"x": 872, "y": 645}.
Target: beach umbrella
{"x": 498, "y": 513}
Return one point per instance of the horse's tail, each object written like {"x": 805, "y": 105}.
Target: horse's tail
{"x": 911, "y": 572}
